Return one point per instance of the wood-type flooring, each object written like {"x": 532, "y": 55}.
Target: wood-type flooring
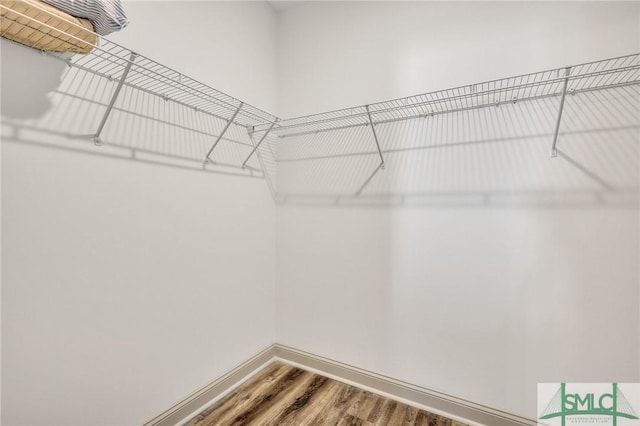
{"x": 283, "y": 395}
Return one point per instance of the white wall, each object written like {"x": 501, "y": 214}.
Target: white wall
{"x": 480, "y": 301}
{"x": 127, "y": 285}
{"x": 340, "y": 54}
{"x": 227, "y": 45}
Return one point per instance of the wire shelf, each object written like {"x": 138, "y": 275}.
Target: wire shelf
{"x": 382, "y": 150}
{"x": 484, "y": 143}
{"x": 115, "y": 62}
{"x": 478, "y": 156}
{"x": 110, "y": 60}
{"x": 586, "y": 77}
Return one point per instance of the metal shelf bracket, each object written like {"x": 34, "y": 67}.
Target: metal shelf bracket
{"x": 567, "y": 73}
{"x": 226, "y": 127}
{"x": 255, "y": 148}
{"x": 96, "y": 137}
{"x": 375, "y": 137}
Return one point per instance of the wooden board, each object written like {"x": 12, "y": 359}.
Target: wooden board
{"x": 43, "y": 27}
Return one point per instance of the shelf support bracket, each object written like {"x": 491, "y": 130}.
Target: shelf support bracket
{"x": 255, "y": 148}
{"x": 375, "y": 136}
{"x": 567, "y": 73}
{"x": 226, "y": 127}
{"x": 96, "y": 137}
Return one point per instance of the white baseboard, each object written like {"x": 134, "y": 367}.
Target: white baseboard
{"x": 421, "y": 397}
{"x": 202, "y": 398}
{"x": 424, "y": 398}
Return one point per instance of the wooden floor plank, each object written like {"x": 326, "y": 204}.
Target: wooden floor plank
{"x": 409, "y": 417}
{"x": 299, "y": 410}
{"x": 239, "y": 399}
{"x": 320, "y": 410}
{"x": 284, "y": 406}
{"x": 283, "y": 395}
{"x": 388, "y": 408}
{"x": 270, "y": 399}
{"x": 349, "y": 420}
{"x": 376, "y": 409}
{"x": 337, "y": 406}
{"x": 363, "y": 406}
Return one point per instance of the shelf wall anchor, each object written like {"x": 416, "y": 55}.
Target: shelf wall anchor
{"x": 96, "y": 137}
{"x": 567, "y": 73}
{"x": 226, "y": 127}
{"x": 255, "y": 148}
{"x": 375, "y": 136}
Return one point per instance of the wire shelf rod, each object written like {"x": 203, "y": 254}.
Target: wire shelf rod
{"x": 422, "y": 116}
{"x": 185, "y": 104}
{"x": 539, "y": 78}
{"x": 148, "y": 117}
{"x": 543, "y": 83}
{"x": 436, "y": 103}
{"x": 107, "y": 60}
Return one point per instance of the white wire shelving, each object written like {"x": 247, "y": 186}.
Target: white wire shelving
{"x": 597, "y": 75}
{"x": 118, "y": 63}
{"x": 233, "y": 121}
{"x": 115, "y": 62}
{"x": 110, "y": 67}
{"x": 348, "y": 147}
{"x": 378, "y": 151}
